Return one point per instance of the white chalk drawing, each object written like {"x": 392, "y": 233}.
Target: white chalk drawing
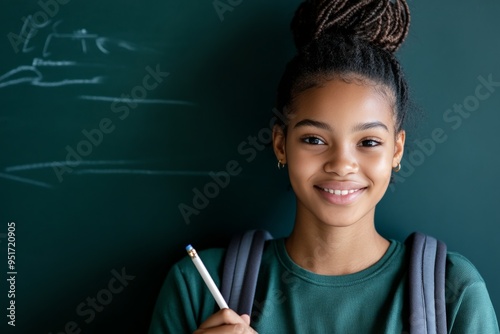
{"x": 32, "y": 75}
{"x": 33, "y": 27}
{"x": 51, "y": 164}
{"x": 25, "y": 180}
{"x": 129, "y": 100}
{"x": 81, "y": 38}
{"x": 82, "y": 44}
{"x": 142, "y": 172}
{"x": 109, "y": 168}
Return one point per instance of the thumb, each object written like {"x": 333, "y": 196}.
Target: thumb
{"x": 245, "y": 318}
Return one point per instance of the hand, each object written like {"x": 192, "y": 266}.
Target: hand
{"x": 226, "y": 321}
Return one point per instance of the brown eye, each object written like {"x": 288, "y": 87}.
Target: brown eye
{"x": 313, "y": 141}
{"x": 370, "y": 143}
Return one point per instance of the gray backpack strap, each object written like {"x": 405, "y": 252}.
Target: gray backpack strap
{"x": 427, "y": 285}
{"x": 241, "y": 269}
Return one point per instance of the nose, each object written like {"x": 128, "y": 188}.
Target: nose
{"x": 340, "y": 161}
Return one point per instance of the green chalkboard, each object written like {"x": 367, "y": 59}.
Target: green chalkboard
{"x": 129, "y": 129}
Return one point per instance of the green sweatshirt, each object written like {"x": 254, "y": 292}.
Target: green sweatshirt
{"x": 290, "y": 299}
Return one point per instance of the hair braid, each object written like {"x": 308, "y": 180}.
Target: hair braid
{"x": 341, "y": 38}
{"x": 384, "y": 23}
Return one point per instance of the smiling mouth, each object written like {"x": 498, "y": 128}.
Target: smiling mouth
{"x": 340, "y": 192}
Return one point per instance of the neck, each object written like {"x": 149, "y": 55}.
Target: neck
{"x": 333, "y": 250}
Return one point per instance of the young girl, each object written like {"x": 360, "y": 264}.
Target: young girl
{"x": 345, "y": 100}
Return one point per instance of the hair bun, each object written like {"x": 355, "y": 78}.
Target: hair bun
{"x": 384, "y": 23}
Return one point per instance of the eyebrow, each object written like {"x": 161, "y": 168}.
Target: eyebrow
{"x": 370, "y": 125}
{"x": 311, "y": 122}
{"x": 326, "y": 126}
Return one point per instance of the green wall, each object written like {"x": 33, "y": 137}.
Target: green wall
{"x": 113, "y": 112}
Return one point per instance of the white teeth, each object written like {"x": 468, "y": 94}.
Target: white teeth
{"x": 339, "y": 192}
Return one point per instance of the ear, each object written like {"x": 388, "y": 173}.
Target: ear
{"x": 279, "y": 143}
{"x": 399, "y": 148}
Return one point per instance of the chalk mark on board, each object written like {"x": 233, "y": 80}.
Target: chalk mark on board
{"x": 129, "y": 100}
{"x": 41, "y": 62}
{"x": 41, "y": 165}
{"x": 36, "y": 78}
{"x": 33, "y": 75}
{"x": 80, "y": 35}
{"x": 102, "y": 43}
{"x": 95, "y": 171}
{"x": 32, "y": 31}
{"x": 141, "y": 172}
{"x": 25, "y": 180}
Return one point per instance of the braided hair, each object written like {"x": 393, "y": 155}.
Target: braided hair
{"x": 351, "y": 40}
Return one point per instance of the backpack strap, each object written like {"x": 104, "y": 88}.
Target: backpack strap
{"x": 427, "y": 284}
{"x": 241, "y": 269}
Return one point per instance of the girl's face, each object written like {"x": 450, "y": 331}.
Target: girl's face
{"x": 340, "y": 148}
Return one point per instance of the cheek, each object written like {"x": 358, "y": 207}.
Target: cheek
{"x": 378, "y": 167}
{"x": 301, "y": 165}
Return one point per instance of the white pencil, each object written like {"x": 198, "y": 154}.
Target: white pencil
{"x": 206, "y": 277}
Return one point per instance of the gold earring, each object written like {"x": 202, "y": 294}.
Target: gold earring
{"x": 397, "y": 168}
{"x": 280, "y": 165}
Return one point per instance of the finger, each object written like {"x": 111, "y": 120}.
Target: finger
{"x": 223, "y": 317}
{"x": 227, "y": 329}
{"x": 246, "y": 318}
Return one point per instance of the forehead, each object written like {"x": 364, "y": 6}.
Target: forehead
{"x": 339, "y": 102}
